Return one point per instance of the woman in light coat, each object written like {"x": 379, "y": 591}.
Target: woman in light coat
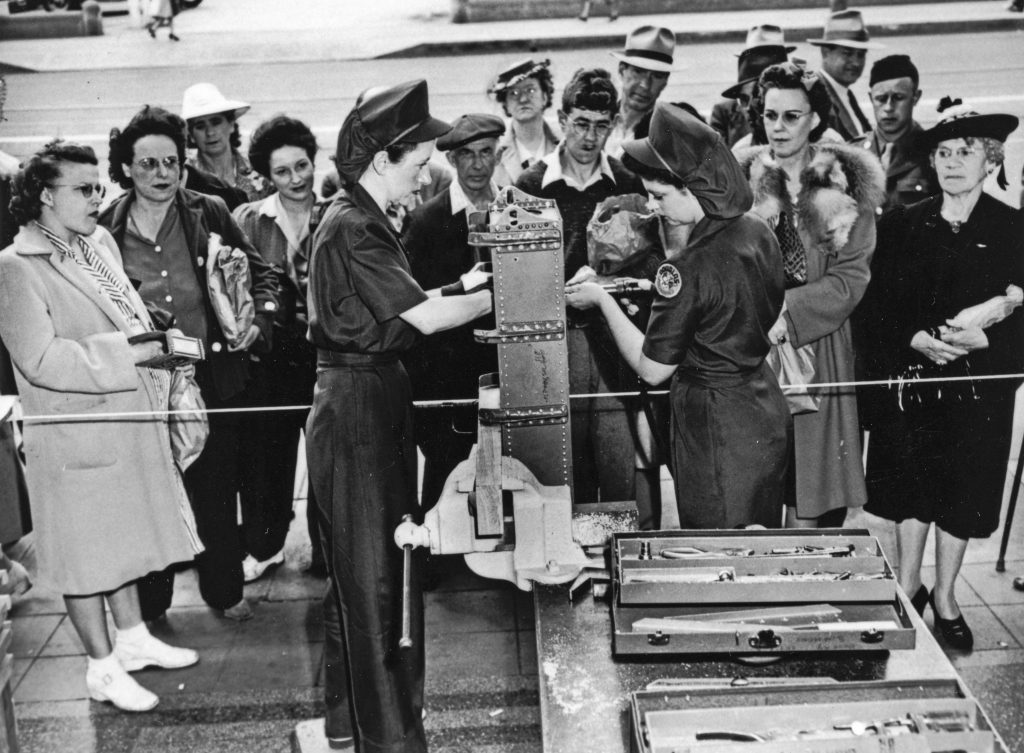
{"x": 820, "y": 197}
{"x": 108, "y": 501}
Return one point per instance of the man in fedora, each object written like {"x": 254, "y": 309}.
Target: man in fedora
{"x": 766, "y": 45}
{"x": 844, "y": 48}
{"x": 447, "y": 365}
{"x": 644, "y": 66}
{"x": 909, "y": 176}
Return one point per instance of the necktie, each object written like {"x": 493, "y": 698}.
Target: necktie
{"x": 886, "y": 156}
{"x": 864, "y": 124}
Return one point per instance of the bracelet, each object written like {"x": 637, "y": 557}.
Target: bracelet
{"x": 455, "y": 288}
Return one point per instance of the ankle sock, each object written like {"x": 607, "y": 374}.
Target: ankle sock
{"x": 103, "y": 666}
{"x": 135, "y": 634}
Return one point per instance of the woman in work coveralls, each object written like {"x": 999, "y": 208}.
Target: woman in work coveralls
{"x": 365, "y": 311}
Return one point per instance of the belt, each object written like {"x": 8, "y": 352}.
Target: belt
{"x": 333, "y": 359}
{"x": 706, "y": 379}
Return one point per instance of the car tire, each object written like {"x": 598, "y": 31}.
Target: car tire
{"x": 189, "y": 3}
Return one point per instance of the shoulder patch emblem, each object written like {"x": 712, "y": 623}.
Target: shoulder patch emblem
{"x": 668, "y": 282}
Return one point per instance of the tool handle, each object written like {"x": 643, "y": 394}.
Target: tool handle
{"x": 406, "y": 639}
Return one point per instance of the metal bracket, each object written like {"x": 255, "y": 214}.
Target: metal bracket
{"x": 521, "y": 332}
{"x": 526, "y": 416}
{"x": 765, "y": 639}
{"x": 658, "y": 639}
{"x": 874, "y": 635}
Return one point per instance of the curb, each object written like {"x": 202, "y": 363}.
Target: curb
{"x": 476, "y": 47}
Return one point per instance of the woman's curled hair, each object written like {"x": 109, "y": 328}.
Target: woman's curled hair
{"x": 271, "y": 135}
{"x": 149, "y": 121}
{"x": 41, "y": 170}
{"x": 646, "y": 172}
{"x": 793, "y": 76}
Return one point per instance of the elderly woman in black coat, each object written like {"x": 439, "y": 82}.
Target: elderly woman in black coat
{"x": 942, "y": 305}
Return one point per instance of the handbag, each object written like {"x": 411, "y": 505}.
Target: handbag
{"x": 227, "y": 276}
{"x": 794, "y": 368}
{"x": 620, "y": 232}
{"x": 188, "y": 422}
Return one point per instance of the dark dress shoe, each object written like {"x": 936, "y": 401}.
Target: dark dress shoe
{"x": 955, "y": 632}
{"x": 920, "y": 599}
{"x": 1018, "y": 583}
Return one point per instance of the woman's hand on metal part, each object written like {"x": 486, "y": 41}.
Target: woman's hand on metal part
{"x": 246, "y": 342}
{"x": 779, "y": 332}
{"x": 144, "y": 351}
{"x": 583, "y": 274}
{"x": 934, "y": 349}
{"x": 477, "y": 278}
{"x": 584, "y": 295}
{"x": 968, "y": 338}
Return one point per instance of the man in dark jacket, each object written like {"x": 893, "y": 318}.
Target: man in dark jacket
{"x": 909, "y": 176}
{"x": 579, "y": 175}
{"x": 447, "y": 365}
{"x": 164, "y": 232}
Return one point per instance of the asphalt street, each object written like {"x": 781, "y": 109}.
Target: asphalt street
{"x": 984, "y": 68}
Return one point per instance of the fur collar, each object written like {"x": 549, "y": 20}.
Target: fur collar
{"x": 839, "y": 184}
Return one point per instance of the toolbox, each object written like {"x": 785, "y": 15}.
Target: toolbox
{"x": 754, "y": 592}
{"x": 803, "y": 715}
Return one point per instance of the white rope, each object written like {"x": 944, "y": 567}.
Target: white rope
{"x": 893, "y": 382}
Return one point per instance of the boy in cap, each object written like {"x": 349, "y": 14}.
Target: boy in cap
{"x": 448, "y": 365}
{"x": 844, "y": 47}
{"x": 909, "y": 176}
{"x": 766, "y": 45}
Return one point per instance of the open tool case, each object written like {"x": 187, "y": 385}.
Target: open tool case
{"x": 801, "y": 715}
{"x": 754, "y": 592}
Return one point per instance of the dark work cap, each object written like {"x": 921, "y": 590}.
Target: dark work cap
{"x": 893, "y": 66}
{"x": 516, "y": 73}
{"x": 694, "y": 153}
{"x": 384, "y": 117}
{"x": 471, "y": 127}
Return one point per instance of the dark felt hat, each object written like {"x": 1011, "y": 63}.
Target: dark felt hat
{"x": 752, "y": 62}
{"x": 468, "y": 128}
{"x": 694, "y": 152}
{"x": 516, "y": 73}
{"x": 960, "y": 121}
{"x": 845, "y": 28}
{"x": 384, "y": 117}
{"x": 893, "y": 66}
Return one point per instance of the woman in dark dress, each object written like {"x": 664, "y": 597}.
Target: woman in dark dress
{"x": 717, "y": 299}
{"x": 938, "y": 451}
{"x": 365, "y": 311}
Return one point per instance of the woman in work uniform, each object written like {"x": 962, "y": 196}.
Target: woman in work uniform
{"x": 717, "y": 298}
{"x": 365, "y": 311}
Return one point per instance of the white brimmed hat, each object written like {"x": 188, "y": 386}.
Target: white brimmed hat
{"x": 205, "y": 99}
{"x": 649, "y": 47}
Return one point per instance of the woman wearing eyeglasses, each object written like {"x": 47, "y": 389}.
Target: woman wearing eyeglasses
{"x": 108, "y": 501}
{"x": 940, "y": 307}
{"x": 524, "y": 91}
{"x": 820, "y": 198}
{"x": 163, "y": 231}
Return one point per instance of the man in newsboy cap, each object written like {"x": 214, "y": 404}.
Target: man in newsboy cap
{"x": 448, "y": 364}
{"x": 895, "y": 91}
{"x": 844, "y": 48}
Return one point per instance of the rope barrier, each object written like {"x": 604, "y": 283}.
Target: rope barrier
{"x": 458, "y": 402}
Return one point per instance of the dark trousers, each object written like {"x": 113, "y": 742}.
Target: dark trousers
{"x": 445, "y": 437}
{"x": 212, "y": 482}
{"x": 362, "y": 465}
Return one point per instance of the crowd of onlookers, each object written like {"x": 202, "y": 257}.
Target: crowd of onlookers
{"x": 896, "y": 267}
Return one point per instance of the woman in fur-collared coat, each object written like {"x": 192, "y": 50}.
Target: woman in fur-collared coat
{"x": 820, "y": 197}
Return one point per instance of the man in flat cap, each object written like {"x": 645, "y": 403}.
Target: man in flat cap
{"x": 579, "y": 175}
{"x": 644, "y": 66}
{"x": 447, "y": 365}
{"x": 524, "y": 90}
{"x": 895, "y": 91}
{"x": 766, "y": 45}
{"x": 844, "y": 48}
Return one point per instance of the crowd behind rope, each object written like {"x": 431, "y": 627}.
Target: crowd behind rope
{"x": 789, "y": 240}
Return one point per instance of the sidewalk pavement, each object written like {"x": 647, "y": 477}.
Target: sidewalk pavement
{"x": 233, "y": 32}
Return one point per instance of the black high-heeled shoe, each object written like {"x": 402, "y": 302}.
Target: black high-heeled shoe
{"x": 955, "y": 632}
{"x": 920, "y": 599}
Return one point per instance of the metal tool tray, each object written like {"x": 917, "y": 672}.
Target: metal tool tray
{"x": 666, "y": 716}
{"x": 866, "y": 573}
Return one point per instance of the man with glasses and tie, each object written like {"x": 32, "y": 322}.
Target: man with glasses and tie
{"x": 163, "y": 231}
{"x": 579, "y": 175}
{"x": 844, "y": 49}
{"x": 909, "y": 176}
